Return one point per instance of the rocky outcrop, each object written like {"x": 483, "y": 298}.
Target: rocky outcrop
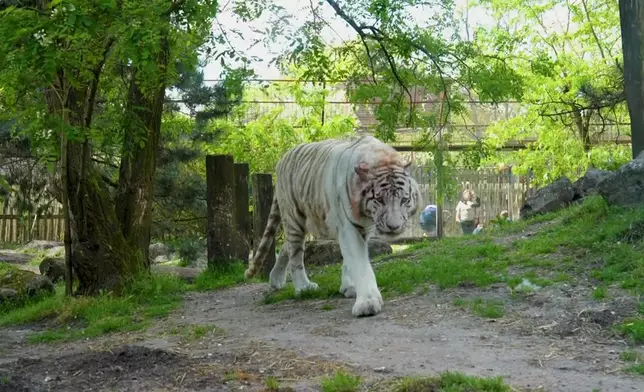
{"x": 625, "y": 187}
{"x": 53, "y": 268}
{"x": 7, "y": 295}
{"x": 587, "y": 185}
{"x": 324, "y": 252}
{"x": 42, "y": 245}
{"x": 187, "y": 274}
{"x": 552, "y": 197}
{"x": 24, "y": 283}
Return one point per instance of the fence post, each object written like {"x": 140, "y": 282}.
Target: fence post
{"x": 263, "y": 199}
{"x": 220, "y": 196}
{"x": 510, "y": 194}
{"x": 242, "y": 218}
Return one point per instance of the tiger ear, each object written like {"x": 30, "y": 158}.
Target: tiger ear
{"x": 407, "y": 166}
{"x": 362, "y": 170}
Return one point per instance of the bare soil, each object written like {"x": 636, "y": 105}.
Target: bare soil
{"x": 555, "y": 340}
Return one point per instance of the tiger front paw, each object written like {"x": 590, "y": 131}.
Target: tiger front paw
{"x": 368, "y": 305}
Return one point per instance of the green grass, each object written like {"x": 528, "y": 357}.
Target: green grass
{"x": 220, "y": 277}
{"x": 341, "y": 382}
{"x": 272, "y": 384}
{"x": 144, "y": 299}
{"x": 445, "y": 264}
{"x": 633, "y": 328}
{"x": 637, "y": 360}
{"x": 600, "y": 293}
{"x": 451, "y": 382}
{"x": 589, "y": 241}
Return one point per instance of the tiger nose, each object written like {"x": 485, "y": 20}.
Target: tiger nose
{"x": 393, "y": 227}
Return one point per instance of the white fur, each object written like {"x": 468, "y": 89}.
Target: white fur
{"x": 338, "y": 170}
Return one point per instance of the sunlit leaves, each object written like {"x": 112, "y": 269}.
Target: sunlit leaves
{"x": 565, "y": 53}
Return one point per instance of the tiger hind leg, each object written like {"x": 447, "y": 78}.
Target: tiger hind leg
{"x": 295, "y": 243}
{"x": 277, "y": 277}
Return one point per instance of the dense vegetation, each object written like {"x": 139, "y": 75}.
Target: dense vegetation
{"x": 87, "y": 118}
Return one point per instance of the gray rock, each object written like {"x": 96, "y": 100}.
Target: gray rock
{"x": 552, "y": 197}
{"x": 14, "y": 257}
{"x": 626, "y": 186}
{"x": 187, "y": 274}
{"x": 53, "y": 268}
{"x": 40, "y": 285}
{"x": 325, "y": 252}
{"x": 587, "y": 185}
{"x": 7, "y": 295}
{"x": 56, "y": 251}
{"x": 158, "y": 249}
{"x": 161, "y": 259}
{"x": 42, "y": 245}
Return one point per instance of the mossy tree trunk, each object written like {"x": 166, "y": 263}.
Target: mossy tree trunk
{"x": 110, "y": 236}
{"x": 138, "y": 161}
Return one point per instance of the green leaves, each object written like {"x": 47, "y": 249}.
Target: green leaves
{"x": 572, "y": 97}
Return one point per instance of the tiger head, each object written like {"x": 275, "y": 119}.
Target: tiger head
{"x": 389, "y": 195}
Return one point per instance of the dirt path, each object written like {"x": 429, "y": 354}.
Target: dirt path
{"x": 417, "y": 335}
{"x": 298, "y": 341}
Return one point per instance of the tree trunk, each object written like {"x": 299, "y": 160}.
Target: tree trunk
{"x": 100, "y": 256}
{"x": 138, "y": 163}
{"x": 631, "y": 16}
{"x": 582, "y": 122}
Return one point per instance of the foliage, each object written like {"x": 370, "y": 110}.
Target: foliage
{"x": 180, "y": 181}
{"x": 85, "y": 82}
{"x": 262, "y": 141}
{"x": 573, "y": 95}
{"x": 396, "y": 62}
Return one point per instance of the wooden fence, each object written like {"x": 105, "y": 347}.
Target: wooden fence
{"x": 498, "y": 190}
{"x": 18, "y": 228}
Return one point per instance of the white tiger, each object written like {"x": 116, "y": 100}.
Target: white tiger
{"x": 347, "y": 190}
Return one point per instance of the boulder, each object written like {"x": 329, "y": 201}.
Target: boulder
{"x": 40, "y": 285}
{"x": 324, "y": 252}
{"x": 185, "y": 273}
{"x": 25, "y": 283}
{"x": 56, "y": 251}
{"x": 158, "y": 249}
{"x": 552, "y": 197}
{"x": 626, "y": 186}
{"x": 587, "y": 185}
{"x": 7, "y": 295}
{"x": 14, "y": 257}
{"x": 42, "y": 245}
{"x": 53, "y": 268}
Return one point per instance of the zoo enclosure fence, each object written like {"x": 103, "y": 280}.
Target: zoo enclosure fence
{"x": 498, "y": 190}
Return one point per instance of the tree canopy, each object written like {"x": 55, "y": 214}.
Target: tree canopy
{"x": 108, "y": 99}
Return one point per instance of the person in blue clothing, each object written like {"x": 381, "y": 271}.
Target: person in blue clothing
{"x": 428, "y": 220}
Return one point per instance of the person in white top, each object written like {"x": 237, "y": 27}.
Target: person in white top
{"x": 466, "y": 211}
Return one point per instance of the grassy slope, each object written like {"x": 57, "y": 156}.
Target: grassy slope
{"x": 145, "y": 299}
{"x": 590, "y": 241}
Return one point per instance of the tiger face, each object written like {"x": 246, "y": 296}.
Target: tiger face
{"x": 390, "y": 197}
